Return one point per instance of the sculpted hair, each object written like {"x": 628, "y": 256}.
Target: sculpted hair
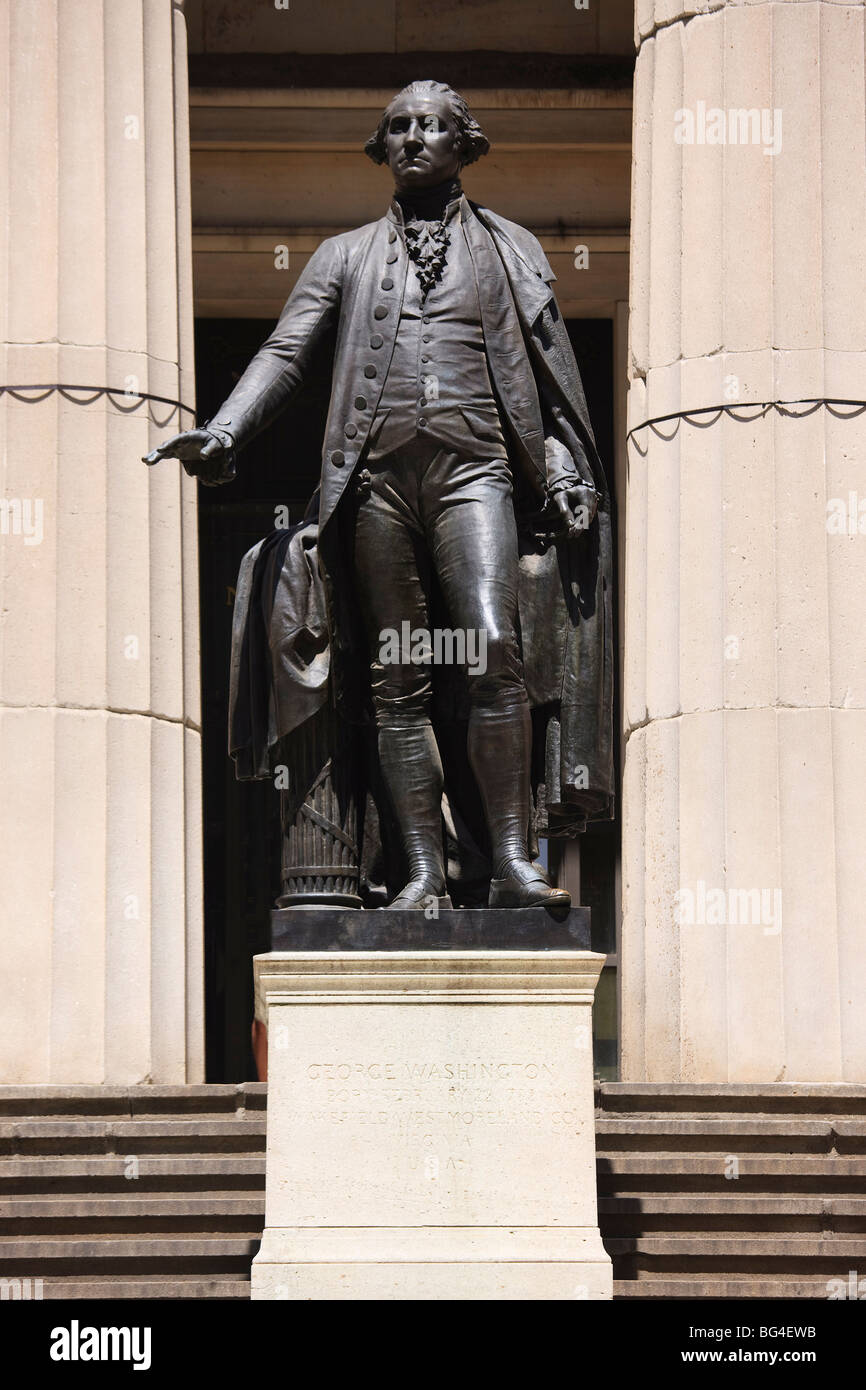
{"x": 471, "y": 140}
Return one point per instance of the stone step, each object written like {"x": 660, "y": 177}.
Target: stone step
{"x": 745, "y": 1287}
{"x": 151, "y": 1173}
{"x": 641, "y": 1133}
{"x": 72, "y": 1256}
{"x": 699, "y": 1215}
{"x": 769, "y": 1172}
{"x": 650, "y": 1213}
{"x": 232, "y": 1287}
{"x": 785, "y": 1258}
{"x": 68, "y": 1136}
{"x": 713, "y": 1204}
{"x": 150, "y": 1213}
{"x": 764, "y": 1247}
{"x": 612, "y": 1097}
{"x": 131, "y": 1101}
{"x": 85, "y": 1206}
{"x": 155, "y": 1287}
{"x": 782, "y": 1097}
{"x": 617, "y": 1171}
{"x": 729, "y": 1133}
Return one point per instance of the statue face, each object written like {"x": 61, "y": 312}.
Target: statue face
{"x": 422, "y": 142}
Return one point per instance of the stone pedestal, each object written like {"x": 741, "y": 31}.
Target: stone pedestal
{"x": 430, "y": 1124}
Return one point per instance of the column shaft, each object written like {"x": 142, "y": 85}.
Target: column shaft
{"x": 743, "y": 951}
{"x": 99, "y": 741}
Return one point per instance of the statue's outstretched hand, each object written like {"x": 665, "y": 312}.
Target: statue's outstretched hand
{"x": 203, "y": 454}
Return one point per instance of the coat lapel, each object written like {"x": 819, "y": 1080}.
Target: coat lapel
{"x": 530, "y": 284}
{"x": 506, "y": 351}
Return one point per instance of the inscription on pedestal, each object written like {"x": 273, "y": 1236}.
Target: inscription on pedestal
{"x": 461, "y": 1126}
{"x": 400, "y": 1094}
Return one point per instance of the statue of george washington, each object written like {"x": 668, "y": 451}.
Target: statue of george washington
{"x": 459, "y": 468}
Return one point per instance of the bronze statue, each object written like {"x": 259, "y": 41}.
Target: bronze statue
{"x": 459, "y": 467}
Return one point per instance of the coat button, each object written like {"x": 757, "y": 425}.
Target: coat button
{"x": 350, "y": 431}
{"x": 377, "y": 340}
{"x": 391, "y": 258}
{"x": 338, "y": 458}
{"x": 387, "y": 283}
{"x": 392, "y": 236}
{"x": 370, "y": 372}
{"x": 422, "y": 423}
{"x": 360, "y": 403}
{"x": 380, "y": 312}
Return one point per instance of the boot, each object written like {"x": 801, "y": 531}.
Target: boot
{"x": 500, "y": 746}
{"x": 412, "y": 773}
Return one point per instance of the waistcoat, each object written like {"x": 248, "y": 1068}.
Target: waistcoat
{"x": 438, "y": 384}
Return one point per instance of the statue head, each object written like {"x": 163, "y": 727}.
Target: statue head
{"x": 427, "y": 134}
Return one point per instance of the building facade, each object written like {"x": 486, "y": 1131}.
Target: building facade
{"x": 695, "y": 173}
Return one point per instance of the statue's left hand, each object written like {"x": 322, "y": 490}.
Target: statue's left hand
{"x": 577, "y": 507}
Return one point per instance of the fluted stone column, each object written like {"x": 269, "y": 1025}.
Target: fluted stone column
{"x": 100, "y": 941}
{"x": 745, "y": 678}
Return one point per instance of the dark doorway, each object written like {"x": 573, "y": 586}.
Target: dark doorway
{"x": 241, "y": 833}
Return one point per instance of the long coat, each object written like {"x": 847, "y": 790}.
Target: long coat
{"x": 349, "y": 293}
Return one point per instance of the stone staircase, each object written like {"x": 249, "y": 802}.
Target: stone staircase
{"x": 732, "y": 1191}
{"x": 704, "y": 1191}
{"x": 139, "y": 1192}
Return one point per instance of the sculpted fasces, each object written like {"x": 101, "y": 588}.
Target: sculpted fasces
{"x": 460, "y": 479}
